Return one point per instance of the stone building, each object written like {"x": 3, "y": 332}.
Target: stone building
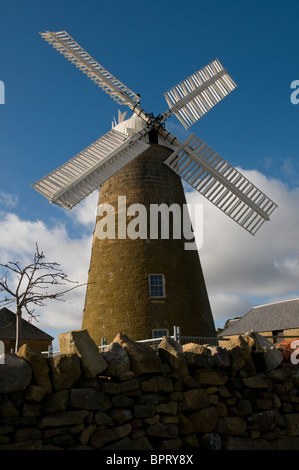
{"x": 36, "y": 338}
{"x": 277, "y": 321}
{"x": 144, "y": 287}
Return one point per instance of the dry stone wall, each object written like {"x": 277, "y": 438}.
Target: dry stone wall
{"x": 135, "y": 397}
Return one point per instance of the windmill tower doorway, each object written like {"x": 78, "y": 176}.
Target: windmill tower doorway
{"x": 143, "y": 287}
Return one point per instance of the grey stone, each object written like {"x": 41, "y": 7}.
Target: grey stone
{"x": 117, "y": 360}
{"x": 220, "y": 356}
{"x": 197, "y": 355}
{"x": 15, "y": 374}
{"x": 79, "y": 342}
{"x": 164, "y": 431}
{"x": 143, "y": 358}
{"x": 64, "y": 418}
{"x": 39, "y": 366}
{"x": 88, "y": 398}
{"x": 172, "y": 353}
{"x": 65, "y": 370}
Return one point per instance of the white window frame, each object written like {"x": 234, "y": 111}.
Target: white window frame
{"x": 163, "y": 286}
{"x": 162, "y": 332}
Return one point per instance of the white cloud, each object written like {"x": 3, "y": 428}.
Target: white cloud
{"x": 17, "y": 243}
{"x": 239, "y": 266}
{"x": 85, "y": 212}
{"x": 8, "y": 200}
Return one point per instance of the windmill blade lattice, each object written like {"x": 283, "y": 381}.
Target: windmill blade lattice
{"x": 82, "y": 174}
{"x": 197, "y": 94}
{"x": 67, "y": 46}
{"x": 220, "y": 183}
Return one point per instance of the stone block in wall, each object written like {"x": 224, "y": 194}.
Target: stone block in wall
{"x": 64, "y": 418}
{"x": 86, "y": 433}
{"x": 244, "y": 443}
{"x": 255, "y": 381}
{"x": 197, "y": 355}
{"x": 220, "y": 356}
{"x": 163, "y": 431}
{"x": 79, "y": 342}
{"x": 117, "y": 360}
{"x": 143, "y": 359}
{"x": 196, "y": 398}
{"x": 190, "y": 440}
{"x": 39, "y": 366}
{"x": 204, "y": 420}
{"x": 209, "y": 378}
{"x": 102, "y": 418}
{"x": 88, "y": 398}
{"x": 231, "y": 425}
{"x": 28, "y": 434}
{"x": 171, "y": 352}
{"x": 262, "y": 421}
{"x": 15, "y": 374}
{"x": 65, "y": 370}
{"x": 240, "y": 355}
{"x": 292, "y": 422}
{"x": 144, "y": 411}
{"x": 121, "y": 415}
{"x": 279, "y": 376}
{"x": 170, "y": 408}
{"x": 211, "y": 441}
{"x": 128, "y": 444}
{"x": 265, "y": 355}
{"x": 185, "y": 425}
{"x": 8, "y": 409}
{"x": 129, "y": 386}
{"x": 169, "y": 444}
{"x": 35, "y": 393}
{"x": 104, "y": 436}
{"x": 121, "y": 401}
{"x": 56, "y": 402}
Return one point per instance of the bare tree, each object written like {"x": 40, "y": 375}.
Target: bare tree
{"x": 31, "y": 286}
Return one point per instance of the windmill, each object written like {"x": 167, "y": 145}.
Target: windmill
{"x": 142, "y": 287}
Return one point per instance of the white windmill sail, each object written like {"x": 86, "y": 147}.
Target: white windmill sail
{"x": 195, "y": 96}
{"x": 82, "y": 174}
{"x": 193, "y": 160}
{"x": 220, "y": 183}
{"x": 67, "y": 46}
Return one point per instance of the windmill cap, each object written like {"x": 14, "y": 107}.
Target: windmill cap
{"x": 131, "y": 126}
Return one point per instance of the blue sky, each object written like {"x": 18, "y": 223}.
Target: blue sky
{"x": 52, "y": 111}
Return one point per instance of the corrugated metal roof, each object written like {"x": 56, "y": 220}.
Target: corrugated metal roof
{"x": 8, "y": 327}
{"x": 276, "y": 316}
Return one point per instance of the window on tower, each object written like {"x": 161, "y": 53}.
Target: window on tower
{"x": 157, "y": 285}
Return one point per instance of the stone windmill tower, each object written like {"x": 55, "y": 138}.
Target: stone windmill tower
{"x": 142, "y": 279}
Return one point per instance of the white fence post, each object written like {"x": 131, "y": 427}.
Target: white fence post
{"x": 177, "y": 334}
